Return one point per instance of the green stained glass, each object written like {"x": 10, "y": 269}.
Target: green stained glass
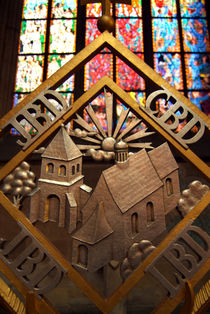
{"x": 62, "y": 36}
{"x": 29, "y": 73}
{"x": 32, "y": 38}
{"x": 35, "y": 9}
{"x": 64, "y": 8}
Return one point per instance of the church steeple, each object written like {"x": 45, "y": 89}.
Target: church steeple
{"x": 61, "y": 160}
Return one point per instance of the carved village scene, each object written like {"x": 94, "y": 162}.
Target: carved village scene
{"x": 98, "y": 201}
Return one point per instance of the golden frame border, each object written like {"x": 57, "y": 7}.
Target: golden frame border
{"x": 104, "y": 40}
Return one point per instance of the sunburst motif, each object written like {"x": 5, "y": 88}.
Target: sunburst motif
{"x": 100, "y": 143}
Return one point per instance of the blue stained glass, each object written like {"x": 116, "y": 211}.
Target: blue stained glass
{"x": 165, "y": 35}
{"x": 35, "y": 9}
{"x": 192, "y": 8}
{"x": 17, "y": 98}
{"x": 195, "y": 33}
{"x": 64, "y": 8}
{"x": 129, "y": 32}
{"x": 169, "y": 67}
{"x": 163, "y": 8}
{"x": 201, "y": 100}
{"x": 198, "y": 71}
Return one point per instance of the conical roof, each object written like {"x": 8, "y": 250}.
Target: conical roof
{"x": 96, "y": 227}
{"x": 62, "y": 147}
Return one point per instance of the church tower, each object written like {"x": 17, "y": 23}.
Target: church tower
{"x": 60, "y": 185}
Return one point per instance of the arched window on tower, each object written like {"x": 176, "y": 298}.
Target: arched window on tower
{"x": 134, "y": 224}
{"x": 73, "y": 170}
{"x": 50, "y": 168}
{"x": 150, "y": 213}
{"x": 62, "y": 170}
{"x": 169, "y": 186}
{"x": 82, "y": 255}
{"x": 78, "y": 167}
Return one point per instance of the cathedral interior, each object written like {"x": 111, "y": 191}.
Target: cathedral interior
{"x": 177, "y": 66}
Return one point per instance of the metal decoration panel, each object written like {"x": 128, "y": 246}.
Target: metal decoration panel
{"x": 185, "y": 254}
{"x": 40, "y": 113}
{"x": 170, "y": 119}
{"x": 33, "y": 265}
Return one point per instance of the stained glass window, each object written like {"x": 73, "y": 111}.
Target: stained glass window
{"x": 47, "y": 42}
{"x": 181, "y": 46}
{"x": 170, "y": 35}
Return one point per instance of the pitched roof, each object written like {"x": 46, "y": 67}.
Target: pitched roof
{"x": 62, "y": 147}
{"x": 96, "y": 228}
{"x": 163, "y": 160}
{"x": 133, "y": 182}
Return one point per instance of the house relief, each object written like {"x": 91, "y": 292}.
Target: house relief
{"x": 128, "y": 204}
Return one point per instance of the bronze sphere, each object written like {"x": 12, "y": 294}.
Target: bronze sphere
{"x": 105, "y": 23}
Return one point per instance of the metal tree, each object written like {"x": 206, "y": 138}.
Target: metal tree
{"x": 19, "y": 183}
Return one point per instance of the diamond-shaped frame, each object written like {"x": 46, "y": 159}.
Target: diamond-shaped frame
{"x": 105, "y": 40}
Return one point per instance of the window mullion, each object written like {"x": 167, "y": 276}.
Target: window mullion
{"x": 47, "y": 43}
{"x": 80, "y": 44}
{"x": 181, "y": 47}
{"x": 147, "y": 36}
